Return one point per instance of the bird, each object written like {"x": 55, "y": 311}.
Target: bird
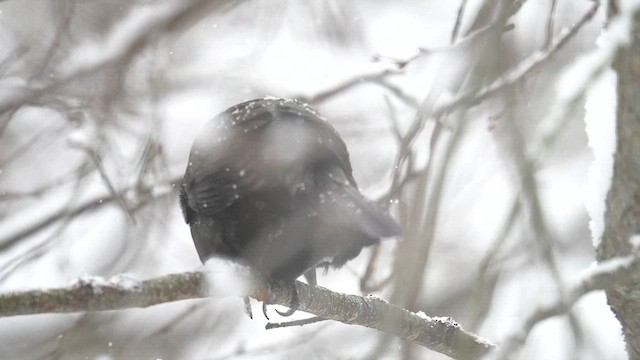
{"x": 269, "y": 184}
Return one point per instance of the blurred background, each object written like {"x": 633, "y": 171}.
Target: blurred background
{"x": 100, "y": 101}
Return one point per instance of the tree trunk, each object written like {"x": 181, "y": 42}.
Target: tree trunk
{"x": 622, "y": 215}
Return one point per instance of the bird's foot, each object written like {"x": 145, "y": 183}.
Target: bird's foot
{"x": 295, "y": 301}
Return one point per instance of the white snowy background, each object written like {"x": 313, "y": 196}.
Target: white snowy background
{"x": 129, "y": 124}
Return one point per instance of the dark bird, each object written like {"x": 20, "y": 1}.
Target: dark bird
{"x": 269, "y": 184}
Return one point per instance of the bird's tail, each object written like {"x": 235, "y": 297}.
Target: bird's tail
{"x": 368, "y": 217}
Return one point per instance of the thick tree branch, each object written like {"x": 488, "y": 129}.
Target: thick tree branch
{"x": 622, "y": 214}
{"x": 96, "y": 294}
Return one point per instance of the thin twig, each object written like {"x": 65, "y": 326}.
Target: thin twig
{"x": 550, "y": 24}
{"x": 142, "y": 28}
{"x": 467, "y": 41}
{"x": 301, "y": 322}
{"x": 517, "y": 75}
{"x": 480, "y": 305}
{"x": 458, "y": 23}
{"x": 79, "y": 172}
{"x": 366, "y": 286}
{"x": 117, "y": 195}
{"x": 143, "y": 196}
{"x": 288, "y": 344}
{"x": 327, "y": 94}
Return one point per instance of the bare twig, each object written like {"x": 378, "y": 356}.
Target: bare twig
{"x": 414, "y": 253}
{"x": 530, "y": 194}
{"x": 67, "y": 12}
{"x": 366, "y": 285}
{"x": 117, "y": 195}
{"x": 466, "y": 42}
{"x": 43, "y": 136}
{"x": 130, "y": 37}
{"x": 381, "y": 77}
{"x": 458, "y": 23}
{"x": 474, "y": 97}
{"x": 298, "y": 340}
{"x": 34, "y": 253}
{"x": 398, "y": 92}
{"x": 550, "y": 23}
{"x": 347, "y": 85}
{"x": 79, "y": 172}
{"x": 13, "y": 239}
{"x": 302, "y": 322}
{"x": 519, "y": 74}
{"x": 485, "y": 279}
{"x": 393, "y": 119}
{"x": 143, "y": 196}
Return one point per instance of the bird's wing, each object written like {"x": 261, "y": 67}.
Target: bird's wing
{"x": 259, "y": 145}
{"x": 323, "y": 139}
{"x": 222, "y": 164}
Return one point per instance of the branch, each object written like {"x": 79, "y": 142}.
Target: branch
{"x": 605, "y": 275}
{"x": 458, "y": 23}
{"x": 142, "y": 27}
{"x": 96, "y": 294}
{"x": 140, "y": 196}
{"x": 374, "y": 77}
{"x": 519, "y": 74}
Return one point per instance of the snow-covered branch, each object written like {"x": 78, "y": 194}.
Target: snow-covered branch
{"x": 96, "y": 294}
{"x": 603, "y": 276}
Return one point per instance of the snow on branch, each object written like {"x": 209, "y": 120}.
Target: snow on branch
{"x": 96, "y": 294}
{"x": 603, "y": 276}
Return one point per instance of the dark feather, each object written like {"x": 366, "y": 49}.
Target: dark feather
{"x": 269, "y": 183}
